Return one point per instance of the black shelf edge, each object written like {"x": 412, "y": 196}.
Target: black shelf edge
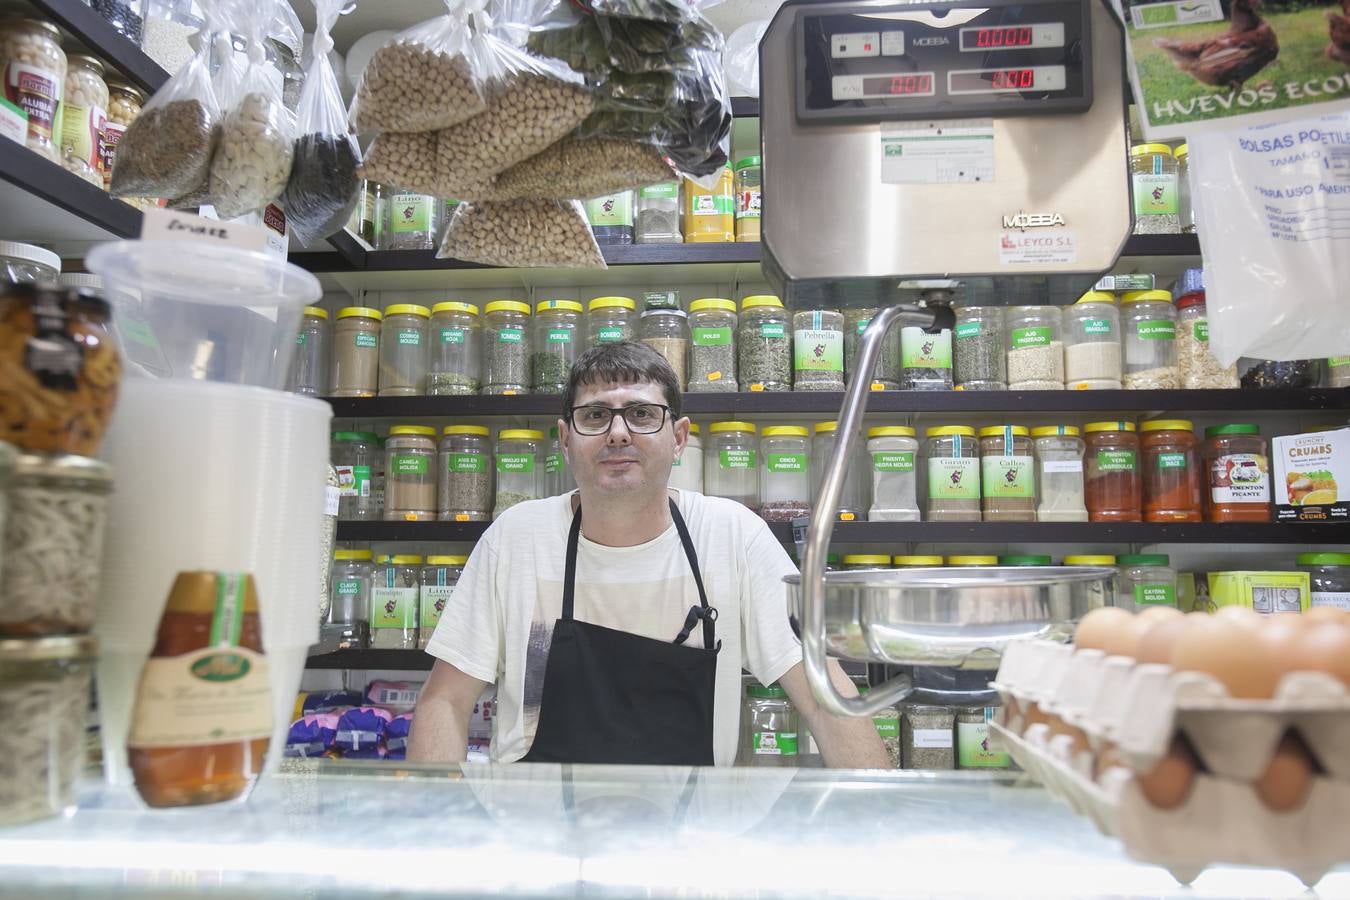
{"x": 410, "y": 660}
{"x": 745, "y": 107}
{"x": 104, "y": 41}
{"x": 1162, "y": 245}
{"x": 828, "y": 403}
{"x": 45, "y": 179}
{"x": 411, "y": 531}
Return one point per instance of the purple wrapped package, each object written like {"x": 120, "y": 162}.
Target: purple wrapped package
{"x": 396, "y": 736}
{"x": 361, "y": 730}
{"x": 312, "y": 735}
{"x": 329, "y": 701}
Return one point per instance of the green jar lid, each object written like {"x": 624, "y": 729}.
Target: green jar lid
{"x": 355, "y": 436}
{"x": 1214, "y": 430}
{"x": 1144, "y": 559}
{"x": 1024, "y": 560}
{"x": 759, "y": 691}
{"x": 1324, "y": 559}
{"x": 748, "y": 161}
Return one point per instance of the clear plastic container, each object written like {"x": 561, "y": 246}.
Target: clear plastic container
{"x": 667, "y": 332}
{"x": 403, "y": 350}
{"x": 712, "y": 346}
{"x": 686, "y": 473}
{"x": 1266, "y": 374}
{"x": 611, "y": 218}
{"x": 854, "y": 498}
{"x": 33, "y": 47}
{"x": 1059, "y": 474}
{"x": 893, "y": 451}
{"x": 1007, "y": 474}
{"x": 410, "y": 474}
{"x": 731, "y": 467}
{"x": 438, "y": 579}
{"x": 356, "y": 457}
{"x": 1185, "y": 205}
{"x": 1149, "y": 326}
{"x": 784, "y": 473}
{"x": 1154, "y": 181}
{"x": 952, "y": 460}
{"x": 817, "y": 350}
{"x": 506, "y": 353}
{"x": 456, "y": 362}
{"x": 1111, "y": 472}
{"x": 24, "y": 263}
{"x": 770, "y": 728}
{"x": 1338, "y": 371}
{"x": 1035, "y": 349}
{"x": 764, "y": 345}
{"x": 557, "y": 342}
{"x": 658, "y": 214}
{"x": 393, "y": 604}
{"x": 610, "y": 319}
{"x": 1092, "y": 343}
{"x": 466, "y": 474}
{"x": 1105, "y": 594}
{"x": 1329, "y": 577}
{"x": 927, "y": 737}
{"x": 1237, "y": 466}
{"x": 309, "y": 368}
{"x": 557, "y": 479}
{"x": 1170, "y": 460}
{"x": 347, "y": 625}
{"x": 886, "y": 374}
{"x": 356, "y": 352}
{"x": 1196, "y": 365}
{"x": 84, "y": 107}
{"x": 980, "y": 359}
{"x": 411, "y": 220}
{"x": 925, "y": 359}
{"x": 749, "y": 177}
{"x": 709, "y": 213}
{"x": 1146, "y": 579}
{"x": 520, "y": 467}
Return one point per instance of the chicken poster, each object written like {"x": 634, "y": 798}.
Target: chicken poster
{"x": 1227, "y": 63}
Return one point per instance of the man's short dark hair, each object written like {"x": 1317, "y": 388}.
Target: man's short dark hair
{"x": 622, "y": 362}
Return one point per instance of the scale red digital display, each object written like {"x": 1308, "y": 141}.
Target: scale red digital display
{"x": 1006, "y": 80}
{"x": 920, "y": 83}
{"x": 996, "y": 38}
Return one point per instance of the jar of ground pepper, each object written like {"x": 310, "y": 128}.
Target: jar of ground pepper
{"x": 731, "y": 467}
{"x": 410, "y": 474}
{"x": 1238, "y": 468}
{"x": 953, "y": 464}
{"x": 784, "y": 473}
{"x": 1111, "y": 472}
{"x": 1146, "y": 579}
{"x": 1007, "y": 474}
{"x": 1171, "y": 467}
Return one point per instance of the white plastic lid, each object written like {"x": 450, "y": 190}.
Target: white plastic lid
{"x": 81, "y": 280}
{"x": 31, "y": 254}
{"x": 205, "y": 273}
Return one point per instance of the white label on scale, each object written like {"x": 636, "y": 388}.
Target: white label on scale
{"x": 953, "y": 151}
{"x": 1037, "y": 247}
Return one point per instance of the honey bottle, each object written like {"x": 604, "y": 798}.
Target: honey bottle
{"x": 203, "y": 714}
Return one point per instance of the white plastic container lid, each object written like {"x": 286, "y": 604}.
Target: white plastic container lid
{"x": 29, "y": 253}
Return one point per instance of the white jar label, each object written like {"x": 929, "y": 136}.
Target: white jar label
{"x": 933, "y": 738}
{"x": 1337, "y": 599}
{"x": 1240, "y": 478}
{"x": 1052, "y": 466}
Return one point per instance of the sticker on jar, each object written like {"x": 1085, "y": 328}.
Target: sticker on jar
{"x": 434, "y": 598}
{"x": 785, "y": 462}
{"x": 921, "y": 350}
{"x": 331, "y": 498}
{"x": 409, "y": 337}
{"x": 13, "y": 122}
{"x": 466, "y": 463}
{"x": 736, "y": 459}
{"x": 452, "y": 335}
{"x": 560, "y": 335}
{"x": 893, "y": 461}
{"x": 82, "y": 133}
{"x": 1008, "y": 477}
{"x": 1171, "y": 460}
{"x": 711, "y": 337}
{"x": 1023, "y": 338}
{"x": 38, "y": 93}
{"x": 973, "y": 747}
{"x": 1334, "y": 599}
{"x": 522, "y": 463}
{"x": 410, "y": 213}
{"x": 1155, "y": 594}
{"x": 1096, "y": 326}
{"x": 818, "y": 350}
{"x": 1240, "y": 478}
{"x": 1116, "y": 460}
{"x": 775, "y": 743}
{"x": 112, "y": 136}
{"x": 1155, "y": 330}
{"x": 511, "y": 335}
{"x": 774, "y": 330}
{"x": 1156, "y": 194}
{"x": 608, "y": 335}
{"x": 393, "y": 607}
{"x": 1061, "y": 466}
{"x": 969, "y": 330}
{"x": 932, "y": 738}
{"x": 409, "y": 464}
{"x": 954, "y": 478}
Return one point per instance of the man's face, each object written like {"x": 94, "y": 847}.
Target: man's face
{"x": 621, "y": 461}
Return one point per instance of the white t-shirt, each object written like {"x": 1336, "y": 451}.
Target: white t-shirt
{"x": 498, "y": 624}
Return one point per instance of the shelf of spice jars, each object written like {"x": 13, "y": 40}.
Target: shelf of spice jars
{"x": 89, "y": 27}
{"x": 408, "y": 660}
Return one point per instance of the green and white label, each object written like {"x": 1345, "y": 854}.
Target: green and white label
{"x": 466, "y": 463}
{"x": 522, "y": 463}
{"x": 409, "y": 337}
{"x": 452, "y": 335}
{"x": 560, "y": 335}
{"x": 302, "y": 339}
{"x": 1116, "y": 461}
{"x": 711, "y": 337}
{"x": 1337, "y": 362}
{"x": 510, "y": 335}
{"x": 1155, "y": 594}
{"x": 818, "y": 350}
{"x": 862, "y": 325}
{"x": 775, "y": 743}
{"x": 554, "y": 463}
{"x": 353, "y": 481}
{"x": 366, "y": 339}
{"x": 1008, "y": 477}
{"x": 893, "y": 461}
{"x": 785, "y": 462}
{"x": 712, "y": 205}
{"x": 1096, "y": 326}
{"x": 410, "y": 213}
{"x": 954, "y": 478}
{"x": 409, "y": 464}
{"x": 607, "y": 212}
{"x": 608, "y": 335}
{"x": 669, "y": 190}
{"x": 393, "y": 607}
{"x": 736, "y": 459}
{"x": 1171, "y": 460}
{"x": 925, "y": 351}
{"x": 969, "y": 330}
{"x": 349, "y": 588}
{"x": 973, "y": 750}
{"x": 774, "y": 330}
{"x": 1023, "y": 338}
{"x": 1156, "y": 195}
{"x": 434, "y": 598}
{"x": 1156, "y": 330}
{"x": 1200, "y": 330}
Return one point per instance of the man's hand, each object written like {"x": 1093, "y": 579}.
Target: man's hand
{"x": 440, "y": 730}
{"x": 845, "y": 742}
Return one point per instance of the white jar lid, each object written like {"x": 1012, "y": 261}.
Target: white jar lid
{"x": 29, "y": 253}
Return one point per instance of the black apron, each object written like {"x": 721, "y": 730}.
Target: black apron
{"x": 614, "y": 697}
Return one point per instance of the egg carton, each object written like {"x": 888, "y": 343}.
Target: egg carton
{"x": 1141, "y": 708}
{"x": 1221, "y": 822}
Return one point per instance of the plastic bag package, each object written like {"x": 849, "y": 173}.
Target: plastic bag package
{"x": 324, "y": 185}
{"x": 522, "y": 233}
{"x": 228, "y": 70}
{"x": 591, "y": 167}
{"x": 404, "y": 158}
{"x": 252, "y": 160}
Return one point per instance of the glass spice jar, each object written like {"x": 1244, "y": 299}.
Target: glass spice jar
{"x": 980, "y": 359}
{"x": 556, "y": 324}
{"x": 926, "y": 737}
{"x": 309, "y": 366}
{"x": 686, "y": 473}
{"x": 610, "y": 319}
{"x": 712, "y": 346}
{"x": 411, "y": 220}
{"x": 1154, "y": 183}
{"x": 1035, "y": 349}
{"x": 465, "y": 480}
{"x": 853, "y": 496}
{"x": 1111, "y": 472}
{"x": 764, "y": 345}
{"x": 1196, "y": 364}
{"x": 926, "y": 357}
{"x": 657, "y": 220}
{"x": 769, "y": 728}
{"x": 667, "y": 332}
{"x": 403, "y": 350}
{"x": 506, "y": 356}
{"x": 749, "y": 176}
{"x": 1092, "y": 343}
{"x": 1099, "y": 593}
{"x": 1059, "y": 474}
{"x": 1149, "y": 325}
{"x": 124, "y": 105}
{"x": 818, "y": 350}
{"x": 1338, "y": 371}
{"x": 709, "y": 213}
{"x": 893, "y": 450}
{"x": 410, "y": 474}
{"x": 84, "y": 115}
{"x": 356, "y": 352}
{"x": 785, "y": 473}
{"x": 393, "y": 604}
{"x": 1007, "y": 474}
{"x": 952, "y": 460}
{"x": 347, "y": 625}
{"x": 354, "y": 455}
{"x": 1329, "y": 578}
{"x": 1171, "y": 467}
{"x": 731, "y": 467}
{"x": 1238, "y": 466}
{"x": 438, "y": 580}
{"x": 1185, "y": 203}
{"x": 519, "y": 469}
{"x": 455, "y": 367}
{"x": 886, "y": 374}
{"x": 31, "y": 48}
{"x": 1146, "y": 579}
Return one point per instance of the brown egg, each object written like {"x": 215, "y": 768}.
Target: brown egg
{"x": 1233, "y": 653}
{"x": 1327, "y": 614}
{"x": 1239, "y": 615}
{"x": 1098, "y": 627}
{"x": 1285, "y": 783}
{"x": 1155, "y": 614}
{"x": 1158, "y": 639}
{"x": 1034, "y": 716}
{"x": 1283, "y": 634}
{"x": 1109, "y": 758}
{"x": 1079, "y": 737}
{"x": 1168, "y": 784}
{"x": 1325, "y": 647}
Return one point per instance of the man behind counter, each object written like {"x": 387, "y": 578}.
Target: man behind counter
{"x": 619, "y": 637}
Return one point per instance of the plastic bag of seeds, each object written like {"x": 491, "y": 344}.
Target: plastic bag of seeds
{"x": 405, "y": 158}
{"x": 324, "y": 185}
{"x": 228, "y": 67}
{"x": 252, "y": 161}
{"x": 591, "y": 167}
{"x": 522, "y": 233}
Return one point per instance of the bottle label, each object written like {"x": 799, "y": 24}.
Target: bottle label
{"x": 409, "y": 337}
{"x": 862, "y": 325}
{"x": 1337, "y": 599}
{"x": 785, "y": 462}
{"x": 736, "y": 459}
{"x": 973, "y": 750}
{"x": 409, "y": 464}
{"x": 1156, "y": 194}
{"x": 1171, "y": 460}
{"x": 411, "y": 213}
{"x": 748, "y": 204}
{"x": 1337, "y": 362}
{"x": 775, "y": 743}
{"x": 919, "y": 350}
{"x": 1200, "y": 330}
{"x": 1116, "y": 461}
{"x": 82, "y": 133}
{"x": 954, "y": 478}
{"x": 553, "y": 463}
{"x": 1008, "y": 477}
{"x": 560, "y": 335}
{"x": 301, "y": 339}
{"x": 353, "y": 481}
{"x": 1155, "y": 594}
{"x": 608, "y": 335}
{"x": 969, "y": 330}
{"x": 216, "y": 695}
{"x": 367, "y": 339}
{"x": 349, "y": 588}
{"x": 1061, "y": 466}
{"x": 434, "y": 598}
{"x": 1096, "y": 326}
{"x": 888, "y": 728}
{"x": 112, "y": 136}
{"x": 510, "y": 335}
{"x": 466, "y": 463}
{"x": 393, "y": 607}
{"x": 711, "y": 337}
{"x": 818, "y": 350}
{"x": 1156, "y": 330}
{"x": 1240, "y": 478}
{"x": 614, "y": 210}
{"x": 521, "y": 463}
{"x": 332, "y": 496}
{"x": 452, "y": 335}
{"x": 669, "y": 190}
{"x": 711, "y": 205}
{"x": 893, "y": 461}
{"x": 1023, "y": 338}
{"x": 772, "y": 330}
{"x": 36, "y": 92}
{"x": 932, "y": 738}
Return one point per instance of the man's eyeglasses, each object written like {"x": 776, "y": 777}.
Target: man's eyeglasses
{"x": 641, "y": 418}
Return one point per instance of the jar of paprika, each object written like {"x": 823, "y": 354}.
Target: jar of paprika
{"x": 1111, "y": 472}
{"x": 1238, "y": 467}
{"x": 1171, "y": 467}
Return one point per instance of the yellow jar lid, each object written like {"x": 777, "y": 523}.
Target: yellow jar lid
{"x": 1108, "y": 426}
{"x": 480, "y": 430}
{"x": 1142, "y": 296}
{"x": 950, "y": 431}
{"x": 1089, "y": 560}
{"x": 566, "y": 305}
{"x": 972, "y": 560}
{"x": 693, "y": 429}
{"x": 826, "y": 427}
{"x": 364, "y": 312}
{"x": 317, "y": 312}
{"x": 1182, "y": 151}
{"x": 761, "y": 300}
{"x": 785, "y": 431}
{"x": 351, "y": 554}
{"x": 719, "y": 427}
{"x": 455, "y": 306}
{"x": 611, "y": 303}
{"x": 1053, "y": 430}
{"x": 412, "y": 429}
{"x": 712, "y": 303}
{"x": 916, "y": 560}
{"x": 407, "y": 309}
{"x": 1150, "y": 150}
{"x": 1167, "y": 425}
{"x": 507, "y": 306}
{"x": 382, "y": 558}
{"x": 406, "y": 559}
{"x": 1001, "y": 430}
{"x": 867, "y": 559}
{"x": 447, "y": 560}
{"x": 891, "y": 431}
{"x": 520, "y": 434}
{"x": 1097, "y": 297}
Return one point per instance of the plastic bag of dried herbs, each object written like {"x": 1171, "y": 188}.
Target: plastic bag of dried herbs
{"x": 323, "y": 188}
